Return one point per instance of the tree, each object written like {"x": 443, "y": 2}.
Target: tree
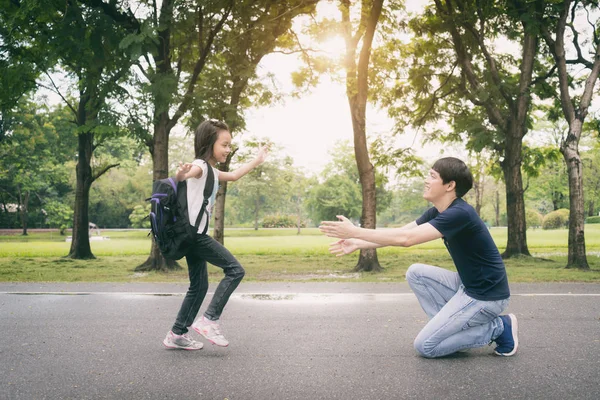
{"x": 406, "y": 205}
{"x": 550, "y": 190}
{"x": 32, "y": 154}
{"x": 59, "y": 215}
{"x": 20, "y": 65}
{"x": 174, "y": 42}
{"x": 112, "y": 199}
{"x": 591, "y": 175}
{"x": 181, "y": 45}
{"x": 341, "y": 193}
{"x": 23, "y": 154}
{"x": 357, "y": 90}
{"x": 458, "y": 72}
{"x": 265, "y": 188}
{"x": 479, "y": 168}
{"x": 138, "y": 217}
{"x": 299, "y": 187}
{"x": 84, "y": 44}
{"x": 575, "y": 107}
{"x": 230, "y": 84}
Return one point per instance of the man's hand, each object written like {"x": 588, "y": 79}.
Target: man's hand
{"x": 343, "y": 247}
{"x": 342, "y": 229}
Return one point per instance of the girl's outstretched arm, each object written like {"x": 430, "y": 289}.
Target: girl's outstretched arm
{"x": 263, "y": 151}
{"x": 187, "y": 170}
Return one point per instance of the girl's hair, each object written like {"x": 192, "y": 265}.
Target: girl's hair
{"x": 205, "y": 137}
{"x": 453, "y": 169}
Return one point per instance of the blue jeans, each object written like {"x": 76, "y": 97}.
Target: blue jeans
{"x": 207, "y": 249}
{"x": 456, "y": 320}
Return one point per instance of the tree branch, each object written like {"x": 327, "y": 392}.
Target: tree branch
{"x": 126, "y": 20}
{"x": 435, "y": 98}
{"x": 590, "y": 82}
{"x": 103, "y": 171}
{"x": 142, "y": 70}
{"x": 580, "y": 58}
{"x": 365, "y": 11}
{"x": 557, "y": 48}
{"x": 479, "y": 37}
{"x": 543, "y": 77}
{"x": 347, "y": 28}
{"x": 467, "y": 67}
{"x": 592, "y": 25}
{"x": 187, "y": 98}
{"x": 57, "y": 91}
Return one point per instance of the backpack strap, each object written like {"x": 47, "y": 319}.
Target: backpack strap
{"x": 208, "y": 189}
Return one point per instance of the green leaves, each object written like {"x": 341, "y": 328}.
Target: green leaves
{"x": 58, "y": 214}
{"x": 137, "y": 44}
{"x": 139, "y": 217}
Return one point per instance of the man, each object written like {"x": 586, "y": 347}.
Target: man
{"x": 463, "y": 307}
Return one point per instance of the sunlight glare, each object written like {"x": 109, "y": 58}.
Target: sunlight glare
{"x": 333, "y": 46}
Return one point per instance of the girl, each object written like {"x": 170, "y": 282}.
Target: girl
{"x": 212, "y": 144}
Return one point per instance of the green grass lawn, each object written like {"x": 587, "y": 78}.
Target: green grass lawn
{"x": 276, "y": 255}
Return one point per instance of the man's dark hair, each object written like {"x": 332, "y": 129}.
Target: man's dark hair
{"x": 205, "y": 137}
{"x": 453, "y": 169}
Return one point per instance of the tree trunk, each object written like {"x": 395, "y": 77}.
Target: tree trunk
{"x": 555, "y": 200}
{"x": 574, "y": 110}
{"x": 478, "y": 186}
{"x": 23, "y": 210}
{"x": 159, "y": 147}
{"x": 219, "y": 209}
{"x": 497, "y": 208}
{"x": 156, "y": 262}
{"x": 577, "y": 257}
{"x": 367, "y": 260}
{"x": 357, "y": 92}
{"x": 219, "y": 212}
{"x": 299, "y": 212}
{"x": 80, "y": 243}
{"x": 256, "y": 211}
{"x": 517, "y": 229}
{"x": 160, "y": 161}
{"x": 591, "y": 208}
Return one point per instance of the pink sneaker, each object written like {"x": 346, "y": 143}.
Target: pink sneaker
{"x": 185, "y": 342}
{"x": 210, "y": 330}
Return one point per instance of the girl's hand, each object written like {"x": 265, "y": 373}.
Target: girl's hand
{"x": 263, "y": 152}
{"x": 343, "y": 247}
{"x": 182, "y": 171}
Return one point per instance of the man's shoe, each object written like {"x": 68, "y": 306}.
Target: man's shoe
{"x": 508, "y": 341}
{"x": 185, "y": 342}
{"x": 210, "y": 330}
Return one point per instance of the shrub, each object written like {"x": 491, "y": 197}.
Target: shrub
{"x": 138, "y": 216}
{"x": 59, "y": 215}
{"x": 281, "y": 221}
{"x": 592, "y": 220}
{"x": 556, "y": 219}
{"x": 534, "y": 218}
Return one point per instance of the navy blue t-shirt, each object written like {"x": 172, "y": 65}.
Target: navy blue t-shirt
{"x": 473, "y": 251}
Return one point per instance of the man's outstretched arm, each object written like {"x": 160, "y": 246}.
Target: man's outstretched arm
{"x": 409, "y": 235}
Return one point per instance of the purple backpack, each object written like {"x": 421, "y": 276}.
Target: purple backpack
{"x": 169, "y": 217}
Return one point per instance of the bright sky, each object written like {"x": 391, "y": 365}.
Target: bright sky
{"x": 309, "y": 127}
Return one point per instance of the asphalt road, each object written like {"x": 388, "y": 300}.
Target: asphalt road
{"x": 288, "y": 341}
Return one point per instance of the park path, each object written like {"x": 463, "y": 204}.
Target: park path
{"x": 288, "y": 341}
